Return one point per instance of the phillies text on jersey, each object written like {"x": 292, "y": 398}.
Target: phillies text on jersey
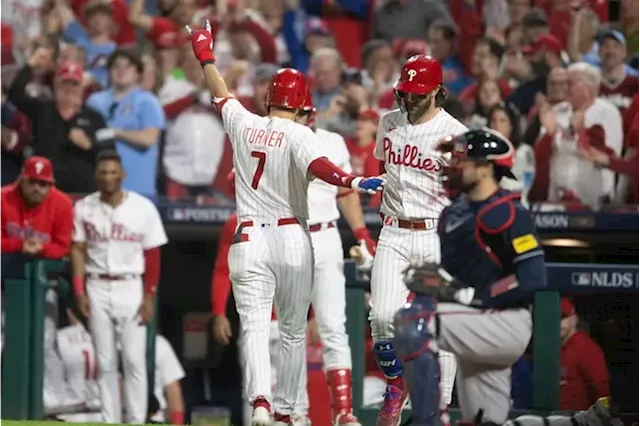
{"x": 271, "y": 158}
{"x": 413, "y": 189}
{"x": 117, "y": 237}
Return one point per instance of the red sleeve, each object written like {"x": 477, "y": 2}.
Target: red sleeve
{"x": 151, "y": 270}
{"x": 330, "y": 173}
{"x": 173, "y": 109}
{"x": 61, "y": 230}
{"x": 631, "y": 113}
{"x": 220, "y": 282}
{"x": 540, "y": 189}
{"x": 126, "y": 32}
{"x": 594, "y": 371}
{"x": 268, "y": 50}
{"x": 625, "y": 166}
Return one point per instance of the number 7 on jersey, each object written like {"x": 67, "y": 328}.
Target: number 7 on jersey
{"x": 262, "y": 158}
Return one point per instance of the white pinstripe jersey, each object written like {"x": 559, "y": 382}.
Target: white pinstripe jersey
{"x": 116, "y": 238}
{"x": 323, "y": 206}
{"x": 412, "y": 189}
{"x": 75, "y": 347}
{"x": 271, "y": 157}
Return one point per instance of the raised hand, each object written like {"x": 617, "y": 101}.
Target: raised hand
{"x": 368, "y": 185}
{"x": 202, "y": 43}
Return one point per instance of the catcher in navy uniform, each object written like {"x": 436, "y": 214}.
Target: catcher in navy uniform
{"x": 476, "y": 303}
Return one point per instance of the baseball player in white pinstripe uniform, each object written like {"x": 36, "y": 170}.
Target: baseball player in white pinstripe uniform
{"x": 271, "y": 256}
{"x": 411, "y": 204}
{"x": 328, "y": 297}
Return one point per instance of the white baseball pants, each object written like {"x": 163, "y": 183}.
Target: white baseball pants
{"x": 276, "y": 262}
{"x": 115, "y": 324}
{"x": 397, "y": 249}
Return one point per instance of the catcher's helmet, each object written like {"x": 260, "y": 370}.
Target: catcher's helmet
{"x": 420, "y": 75}
{"x": 287, "y": 89}
{"x": 483, "y": 145}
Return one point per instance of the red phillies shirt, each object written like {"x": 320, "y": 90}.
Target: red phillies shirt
{"x": 124, "y": 33}
{"x": 622, "y": 94}
{"x": 51, "y": 221}
{"x": 583, "y": 376}
{"x": 363, "y": 163}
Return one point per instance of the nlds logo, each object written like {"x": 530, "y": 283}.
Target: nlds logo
{"x": 605, "y": 279}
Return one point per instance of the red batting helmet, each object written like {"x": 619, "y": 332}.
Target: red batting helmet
{"x": 288, "y": 89}
{"x": 420, "y": 75}
{"x": 309, "y": 108}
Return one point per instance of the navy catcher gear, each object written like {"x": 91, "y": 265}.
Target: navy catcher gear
{"x": 416, "y": 345}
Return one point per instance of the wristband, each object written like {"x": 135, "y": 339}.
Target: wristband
{"x": 177, "y": 418}
{"x": 361, "y": 233}
{"x": 78, "y": 285}
{"x": 208, "y": 61}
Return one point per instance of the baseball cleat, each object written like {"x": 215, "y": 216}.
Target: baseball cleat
{"x": 346, "y": 419}
{"x": 261, "y": 409}
{"x": 391, "y": 411}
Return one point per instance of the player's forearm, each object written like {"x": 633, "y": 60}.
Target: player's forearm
{"x": 78, "y": 267}
{"x": 325, "y": 170}
{"x": 215, "y": 82}
{"x": 151, "y": 270}
{"x": 518, "y": 289}
{"x": 145, "y": 138}
{"x": 175, "y": 403}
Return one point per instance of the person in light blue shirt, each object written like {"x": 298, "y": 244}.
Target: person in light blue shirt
{"x": 135, "y": 118}
{"x": 96, "y": 40}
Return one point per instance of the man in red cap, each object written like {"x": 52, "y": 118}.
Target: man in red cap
{"x": 583, "y": 372}
{"x": 37, "y": 218}
{"x": 64, "y": 131}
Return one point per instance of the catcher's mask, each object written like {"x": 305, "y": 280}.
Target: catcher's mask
{"x": 479, "y": 147}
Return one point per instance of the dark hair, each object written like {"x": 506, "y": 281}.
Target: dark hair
{"x": 441, "y": 95}
{"x": 495, "y": 49}
{"x": 132, "y": 55}
{"x": 514, "y": 118}
{"x": 455, "y": 108}
{"x": 448, "y": 29}
{"x": 369, "y": 47}
{"x": 108, "y": 155}
{"x": 477, "y": 108}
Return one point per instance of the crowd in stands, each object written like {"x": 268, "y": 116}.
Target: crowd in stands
{"x": 558, "y": 77}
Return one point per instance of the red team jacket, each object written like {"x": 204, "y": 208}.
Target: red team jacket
{"x": 584, "y": 377}
{"x": 51, "y": 221}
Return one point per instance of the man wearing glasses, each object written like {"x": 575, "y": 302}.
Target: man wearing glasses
{"x": 37, "y": 218}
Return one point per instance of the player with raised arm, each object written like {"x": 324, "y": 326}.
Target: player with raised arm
{"x": 412, "y": 201}
{"x": 476, "y": 303}
{"x": 271, "y": 257}
{"x": 328, "y": 297}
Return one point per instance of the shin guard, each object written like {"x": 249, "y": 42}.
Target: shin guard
{"x": 416, "y": 347}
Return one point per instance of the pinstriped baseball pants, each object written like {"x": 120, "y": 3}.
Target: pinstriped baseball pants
{"x": 397, "y": 249}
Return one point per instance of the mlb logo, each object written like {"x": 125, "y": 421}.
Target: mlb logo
{"x": 581, "y": 278}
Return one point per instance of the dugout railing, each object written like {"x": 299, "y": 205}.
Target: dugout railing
{"x": 23, "y": 363}
{"x": 23, "y": 348}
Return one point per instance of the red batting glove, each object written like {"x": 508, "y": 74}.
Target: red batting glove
{"x": 362, "y": 234}
{"x": 202, "y": 43}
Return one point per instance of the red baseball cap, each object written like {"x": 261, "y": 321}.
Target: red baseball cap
{"x": 167, "y": 34}
{"x": 566, "y": 308}
{"x": 38, "y": 168}
{"x": 548, "y": 41}
{"x": 370, "y": 115}
{"x": 70, "y": 71}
